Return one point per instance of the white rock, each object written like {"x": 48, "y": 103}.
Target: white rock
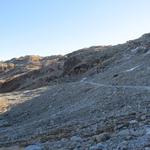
{"x": 83, "y": 79}
{"x": 131, "y": 69}
{"x": 133, "y": 122}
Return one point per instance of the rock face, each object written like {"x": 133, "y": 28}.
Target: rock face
{"x": 30, "y": 72}
{"x": 96, "y": 98}
{"x": 6, "y": 66}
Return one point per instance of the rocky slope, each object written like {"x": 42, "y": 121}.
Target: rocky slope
{"x": 96, "y": 98}
{"x": 30, "y": 72}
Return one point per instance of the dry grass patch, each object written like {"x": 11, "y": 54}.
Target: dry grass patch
{"x": 4, "y": 104}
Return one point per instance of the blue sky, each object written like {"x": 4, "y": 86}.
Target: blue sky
{"x": 47, "y": 27}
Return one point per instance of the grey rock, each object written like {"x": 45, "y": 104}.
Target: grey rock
{"x": 76, "y": 139}
{"x": 123, "y": 146}
{"x": 98, "y": 146}
{"x": 33, "y": 147}
{"x": 101, "y": 137}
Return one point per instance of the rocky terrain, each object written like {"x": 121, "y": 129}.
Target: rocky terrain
{"x": 96, "y": 98}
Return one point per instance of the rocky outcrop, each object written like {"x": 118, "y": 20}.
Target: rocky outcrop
{"x": 30, "y": 72}
{"x": 83, "y": 60}
{"x": 6, "y": 66}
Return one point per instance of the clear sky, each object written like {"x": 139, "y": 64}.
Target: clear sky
{"x": 47, "y": 27}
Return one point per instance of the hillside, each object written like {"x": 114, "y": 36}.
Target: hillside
{"x": 96, "y": 98}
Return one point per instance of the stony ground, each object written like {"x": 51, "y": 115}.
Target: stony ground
{"x": 88, "y": 116}
{"x": 102, "y": 107}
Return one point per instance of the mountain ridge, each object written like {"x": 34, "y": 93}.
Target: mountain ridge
{"x": 96, "y": 98}
{"x": 89, "y": 60}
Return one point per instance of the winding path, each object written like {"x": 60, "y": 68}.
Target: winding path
{"x": 118, "y": 86}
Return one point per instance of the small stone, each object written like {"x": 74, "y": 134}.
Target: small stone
{"x": 33, "y": 147}
{"x": 76, "y": 139}
{"x": 64, "y": 140}
{"x": 123, "y": 146}
{"x": 143, "y": 117}
{"x": 133, "y": 122}
{"x": 98, "y": 146}
{"x": 124, "y": 132}
{"x": 128, "y": 137}
{"x": 101, "y": 137}
{"x": 148, "y": 131}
